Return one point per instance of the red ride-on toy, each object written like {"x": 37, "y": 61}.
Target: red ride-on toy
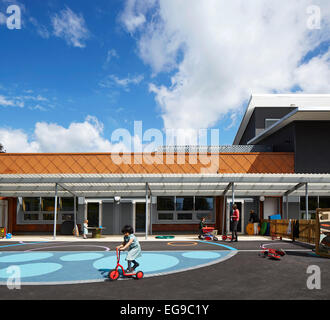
{"x": 207, "y": 234}
{"x": 274, "y": 254}
{"x": 114, "y": 274}
{"x": 225, "y": 237}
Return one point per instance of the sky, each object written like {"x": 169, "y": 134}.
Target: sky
{"x": 79, "y": 76}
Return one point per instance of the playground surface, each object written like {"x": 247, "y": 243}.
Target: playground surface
{"x": 174, "y": 269}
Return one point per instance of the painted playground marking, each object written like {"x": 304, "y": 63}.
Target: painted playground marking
{"x": 182, "y": 243}
{"x": 72, "y": 267}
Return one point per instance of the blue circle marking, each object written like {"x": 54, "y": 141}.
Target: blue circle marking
{"x": 82, "y": 256}
{"x": 31, "y": 270}
{"x": 150, "y": 262}
{"x": 24, "y": 257}
{"x": 201, "y": 255}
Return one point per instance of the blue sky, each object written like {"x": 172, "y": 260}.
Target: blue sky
{"x": 101, "y": 65}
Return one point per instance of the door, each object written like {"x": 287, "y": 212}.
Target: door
{"x": 93, "y": 215}
{"x": 240, "y": 207}
{"x": 3, "y": 213}
{"x": 140, "y": 217}
{"x": 271, "y": 206}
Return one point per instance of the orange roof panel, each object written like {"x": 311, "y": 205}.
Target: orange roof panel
{"x": 74, "y": 163}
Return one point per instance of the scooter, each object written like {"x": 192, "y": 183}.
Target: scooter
{"x": 114, "y": 274}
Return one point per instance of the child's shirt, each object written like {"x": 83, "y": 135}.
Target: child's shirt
{"x": 135, "y": 242}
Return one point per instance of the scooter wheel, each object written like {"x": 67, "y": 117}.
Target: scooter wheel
{"x": 139, "y": 275}
{"x": 113, "y": 275}
{"x": 224, "y": 238}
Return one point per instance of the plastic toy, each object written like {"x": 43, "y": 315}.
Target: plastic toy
{"x": 225, "y": 237}
{"x": 274, "y": 254}
{"x": 208, "y": 234}
{"x": 114, "y": 274}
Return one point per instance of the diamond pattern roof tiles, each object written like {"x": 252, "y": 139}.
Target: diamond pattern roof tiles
{"x": 106, "y": 163}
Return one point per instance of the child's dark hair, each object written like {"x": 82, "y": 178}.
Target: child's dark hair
{"x": 127, "y": 229}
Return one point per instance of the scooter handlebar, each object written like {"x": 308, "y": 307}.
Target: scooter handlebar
{"x": 118, "y": 254}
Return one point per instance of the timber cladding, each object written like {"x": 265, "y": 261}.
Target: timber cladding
{"x": 148, "y": 163}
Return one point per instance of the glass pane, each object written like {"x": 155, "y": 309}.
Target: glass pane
{"x": 201, "y": 215}
{"x": 29, "y": 217}
{"x": 184, "y": 216}
{"x": 48, "y": 204}
{"x": 49, "y": 216}
{"x": 324, "y": 202}
{"x": 184, "y": 203}
{"x": 165, "y": 203}
{"x": 140, "y": 217}
{"x": 93, "y": 214}
{"x": 31, "y": 204}
{"x": 311, "y": 215}
{"x": 67, "y": 204}
{"x": 203, "y": 203}
{"x": 312, "y": 203}
{"x": 165, "y": 216}
{"x": 67, "y": 217}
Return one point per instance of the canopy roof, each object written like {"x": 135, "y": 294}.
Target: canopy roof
{"x": 134, "y": 185}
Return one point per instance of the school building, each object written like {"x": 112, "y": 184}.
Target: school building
{"x": 279, "y": 163}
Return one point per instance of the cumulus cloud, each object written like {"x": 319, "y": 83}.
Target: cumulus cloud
{"x": 86, "y": 136}
{"x": 71, "y": 27}
{"x": 218, "y": 52}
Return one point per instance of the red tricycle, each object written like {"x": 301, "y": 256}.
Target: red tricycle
{"x": 208, "y": 234}
{"x": 274, "y": 254}
{"x": 114, "y": 274}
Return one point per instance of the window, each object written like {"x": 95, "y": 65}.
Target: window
{"x": 185, "y": 209}
{"x": 31, "y": 216}
{"x": 165, "y": 203}
{"x": 67, "y": 217}
{"x": 184, "y": 203}
{"x": 48, "y": 204}
{"x": 270, "y": 122}
{"x": 201, "y": 215}
{"x": 31, "y": 204}
{"x": 324, "y": 202}
{"x": 67, "y": 204}
{"x": 312, "y": 203}
{"x": 49, "y": 216}
{"x": 165, "y": 216}
{"x": 184, "y": 216}
{"x": 203, "y": 203}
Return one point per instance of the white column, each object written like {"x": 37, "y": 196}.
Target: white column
{"x": 306, "y": 198}
{"x": 147, "y": 220}
{"x": 55, "y": 212}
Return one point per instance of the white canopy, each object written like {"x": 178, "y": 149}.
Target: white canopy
{"x": 134, "y": 185}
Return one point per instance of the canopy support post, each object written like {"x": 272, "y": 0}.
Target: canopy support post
{"x": 55, "y": 211}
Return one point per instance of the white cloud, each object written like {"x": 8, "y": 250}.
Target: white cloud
{"x": 112, "y": 53}
{"x": 71, "y": 27}
{"x": 124, "y": 83}
{"x": 10, "y": 102}
{"x": 219, "y": 52}
{"x": 84, "y": 136}
{"x": 17, "y": 141}
{"x": 41, "y": 29}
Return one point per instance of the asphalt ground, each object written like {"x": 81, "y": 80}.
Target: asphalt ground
{"x": 245, "y": 276}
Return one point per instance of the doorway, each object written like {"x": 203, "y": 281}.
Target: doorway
{"x": 140, "y": 217}
{"x": 3, "y": 213}
{"x": 93, "y": 214}
{"x": 240, "y": 207}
